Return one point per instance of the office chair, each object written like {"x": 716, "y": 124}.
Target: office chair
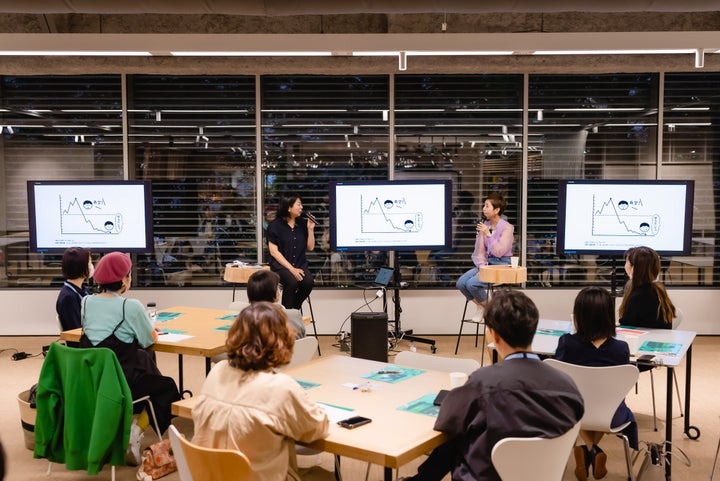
{"x": 543, "y": 459}
{"x": 478, "y": 323}
{"x": 196, "y": 463}
{"x": 84, "y": 391}
{"x": 602, "y": 389}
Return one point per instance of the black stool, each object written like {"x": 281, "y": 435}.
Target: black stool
{"x": 312, "y": 321}
{"x": 477, "y": 332}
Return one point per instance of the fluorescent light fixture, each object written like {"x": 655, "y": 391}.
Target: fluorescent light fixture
{"x": 75, "y": 53}
{"x": 614, "y": 52}
{"x": 453, "y": 53}
{"x": 600, "y": 109}
{"x": 690, "y": 109}
{"x": 251, "y": 54}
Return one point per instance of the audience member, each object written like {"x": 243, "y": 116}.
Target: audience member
{"x": 264, "y": 285}
{"x": 128, "y": 338}
{"x": 246, "y": 405}
{"x": 493, "y": 246}
{"x": 594, "y": 344}
{"x": 645, "y": 301}
{"x": 289, "y": 238}
{"x": 517, "y": 397}
{"x": 77, "y": 267}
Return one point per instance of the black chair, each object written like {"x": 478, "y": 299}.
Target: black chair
{"x": 463, "y": 320}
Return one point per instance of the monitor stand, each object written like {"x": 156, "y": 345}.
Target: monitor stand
{"x": 399, "y": 333}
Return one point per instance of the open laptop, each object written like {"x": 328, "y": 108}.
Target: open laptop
{"x": 382, "y": 279}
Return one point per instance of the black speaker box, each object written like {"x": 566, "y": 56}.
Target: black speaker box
{"x": 369, "y": 335}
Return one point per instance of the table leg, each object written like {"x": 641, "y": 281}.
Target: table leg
{"x": 208, "y": 365}
{"x": 668, "y": 421}
{"x": 180, "y": 373}
{"x": 692, "y": 432}
{"x": 387, "y": 473}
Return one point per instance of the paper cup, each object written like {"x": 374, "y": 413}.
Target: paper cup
{"x": 457, "y": 379}
{"x": 514, "y": 262}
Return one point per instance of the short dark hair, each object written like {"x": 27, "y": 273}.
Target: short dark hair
{"x": 513, "y": 316}
{"x": 262, "y": 286}
{"x": 498, "y": 201}
{"x": 75, "y": 262}
{"x": 286, "y": 201}
{"x": 594, "y": 314}
{"x": 260, "y": 338}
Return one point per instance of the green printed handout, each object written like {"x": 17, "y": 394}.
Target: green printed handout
{"x": 657, "y": 347}
{"x": 423, "y": 405}
{"x": 393, "y": 374}
{"x": 163, "y": 316}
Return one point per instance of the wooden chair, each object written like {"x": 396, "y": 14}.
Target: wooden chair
{"x": 196, "y": 463}
{"x": 543, "y": 459}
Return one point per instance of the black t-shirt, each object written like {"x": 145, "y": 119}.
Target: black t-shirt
{"x": 291, "y": 242}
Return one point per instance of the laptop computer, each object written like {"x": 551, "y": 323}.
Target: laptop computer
{"x": 382, "y": 279}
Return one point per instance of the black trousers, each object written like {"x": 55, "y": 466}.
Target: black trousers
{"x": 295, "y": 292}
{"x": 162, "y": 391}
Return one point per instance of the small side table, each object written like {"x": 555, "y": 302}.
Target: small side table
{"x": 502, "y": 274}
{"x": 240, "y": 274}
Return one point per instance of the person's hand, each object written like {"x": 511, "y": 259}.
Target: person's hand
{"x": 298, "y": 273}
{"x": 483, "y": 229}
{"x": 310, "y": 224}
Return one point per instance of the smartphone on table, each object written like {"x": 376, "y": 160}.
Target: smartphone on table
{"x": 354, "y": 422}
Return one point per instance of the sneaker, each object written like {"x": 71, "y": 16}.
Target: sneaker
{"x": 599, "y": 462}
{"x": 583, "y": 459}
{"x": 478, "y": 313}
{"x": 132, "y": 456}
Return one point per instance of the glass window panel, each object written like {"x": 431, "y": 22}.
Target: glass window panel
{"x": 583, "y": 127}
{"x": 690, "y": 151}
{"x": 53, "y": 128}
{"x": 317, "y": 129}
{"x": 194, "y": 138}
{"x": 467, "y": 128}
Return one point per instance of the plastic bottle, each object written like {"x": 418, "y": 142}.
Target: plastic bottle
{"x": 152, "y": 311}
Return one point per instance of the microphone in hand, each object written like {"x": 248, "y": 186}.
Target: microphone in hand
{"x": 311, "y": 217}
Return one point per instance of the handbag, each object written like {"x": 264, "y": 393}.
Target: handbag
{"x": 157, "y": 461}
{"x": 654, "y": 457}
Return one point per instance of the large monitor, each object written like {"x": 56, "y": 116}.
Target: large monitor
{"x": 100, "y": 215}
{"x": 391, "y": 215}
{"x": 610, "y": 216}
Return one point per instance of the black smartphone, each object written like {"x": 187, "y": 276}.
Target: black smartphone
{"x": 440, "y": 396}
{"x": 354, "y": 422}
{"x": 646, "y": 358}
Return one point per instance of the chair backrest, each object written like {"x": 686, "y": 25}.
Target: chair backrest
{"x": 678, "y": 319}
{"x": 602, "y": 389}
{"x": 183, "y": 469}
{"x": 303, "y": 351}
{"x": 436, "y": 363}
{"x": 197, "y": 463}
{"x": 539, "y": 459}
{"x": 96, "y": 408}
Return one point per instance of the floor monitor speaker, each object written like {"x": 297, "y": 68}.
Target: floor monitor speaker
{"x": 369, "y": 335}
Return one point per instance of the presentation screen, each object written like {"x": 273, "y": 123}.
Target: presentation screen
{"x": 610, "y": 216}
{"x": 391, "y": 215}
{"x": 102, "y": 216}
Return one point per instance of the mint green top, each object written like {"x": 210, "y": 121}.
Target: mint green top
{"x": 101, "y": 314}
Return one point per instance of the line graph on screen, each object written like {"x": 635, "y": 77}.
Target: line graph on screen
{"x": 89, "y": 216}
{"x": 623, "y": 218}
{"x": 388, "y": 216}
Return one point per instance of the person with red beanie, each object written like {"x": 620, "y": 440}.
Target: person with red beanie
{"x": 121, "y": 324}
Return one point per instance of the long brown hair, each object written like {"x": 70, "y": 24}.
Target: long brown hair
{"x": 646, "y": 269}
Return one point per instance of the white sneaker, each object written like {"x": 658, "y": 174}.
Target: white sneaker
{"x": 478, "y": 313}
{"x": 132, "y": 456}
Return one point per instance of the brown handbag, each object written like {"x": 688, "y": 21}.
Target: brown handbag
{"x": 157, "y": 461}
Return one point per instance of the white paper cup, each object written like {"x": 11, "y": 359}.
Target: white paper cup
{"x": 514, "y": 262}
{"x": 457, "y": 379}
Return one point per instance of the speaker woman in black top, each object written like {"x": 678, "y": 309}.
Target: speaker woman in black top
{"x": 289, "y": 238}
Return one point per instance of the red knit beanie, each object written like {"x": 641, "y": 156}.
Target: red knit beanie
{"x": 112, "y": 267}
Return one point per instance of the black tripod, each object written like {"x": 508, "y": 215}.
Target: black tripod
{"x": 399, "y": 333}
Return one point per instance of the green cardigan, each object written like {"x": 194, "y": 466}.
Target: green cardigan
{"x": 84, "y": 409}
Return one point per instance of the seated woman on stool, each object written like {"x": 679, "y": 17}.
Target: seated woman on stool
{"x": 493, "y": 246}
{"x": 594, "y": 345}
{"x": 289, "y": 238}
